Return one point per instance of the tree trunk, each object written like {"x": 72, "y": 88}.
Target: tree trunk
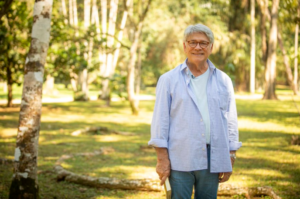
{"x": 104, "y": 36}
{"x": 252, "y": 69}
{"x": 131, "y": 74}
{"x": 133, "y": 100}
{"x": 4, "y": 85}
{"x": 287, "y": 64}
{"x": 9, "y": 86}
{"x": 71, "y": 17}
{"x": 270, "y": 73}
{"x": 110, "y": 42}
{"x": 74, "y": 14}
{"x": 82, "y": 88}
{"x": 24, "y": 183}
{"x": 296, "y": 51}
{"x": 105, "y": 84}
{"x": 64, "y": 11}
{"x": 87, "y": 13}
{"x": 264, "y": 15}
{"x": 49, "y": 85}
{"x": 120, "y": 36}
{"x": 138, "y": 73}
{"x": 95, "y": 18}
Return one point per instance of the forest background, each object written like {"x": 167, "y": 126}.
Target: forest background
{"x": 113, "y": 49}
{"x": 124, "y": 46}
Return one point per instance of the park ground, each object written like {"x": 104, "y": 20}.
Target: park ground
{"x": 267, "y": 157}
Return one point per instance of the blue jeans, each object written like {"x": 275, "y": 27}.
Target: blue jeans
{"x": 206, "y": 184}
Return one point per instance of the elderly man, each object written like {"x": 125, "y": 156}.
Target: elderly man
{"x": 194, "y": 127}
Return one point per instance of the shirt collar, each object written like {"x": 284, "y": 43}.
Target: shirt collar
{"x": 184, "y": 68}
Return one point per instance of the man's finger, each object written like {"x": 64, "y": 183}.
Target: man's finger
{"x": 225, "y": 177}
{"x": 163, "y": 179}
{"x": 221, "y": 175}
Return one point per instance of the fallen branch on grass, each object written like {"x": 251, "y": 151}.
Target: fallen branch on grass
{"x": 112, "y": 183}
{"x": 231, "y": 190}
{"x": 145, "y": 184}
{"x": 96, "y": 130}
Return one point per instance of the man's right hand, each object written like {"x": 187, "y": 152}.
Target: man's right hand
{"x": 163, "y": 166}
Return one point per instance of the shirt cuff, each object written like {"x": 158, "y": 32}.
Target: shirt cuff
{"x": 234, "y": 146}
{"x": 160, "y": 143}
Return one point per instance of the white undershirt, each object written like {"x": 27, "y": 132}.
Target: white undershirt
{"x": 199, "y": 86}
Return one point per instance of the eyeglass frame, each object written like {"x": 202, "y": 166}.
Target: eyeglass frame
{"x": 197, "y": 44}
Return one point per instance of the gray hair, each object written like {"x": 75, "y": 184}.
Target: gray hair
{"x": 199, "y": 28}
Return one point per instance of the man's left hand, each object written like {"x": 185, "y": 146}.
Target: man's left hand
{"x": 223, "y": 177}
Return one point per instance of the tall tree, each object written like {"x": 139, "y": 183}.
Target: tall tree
{"x": 270, "y": 72}
{"x": 296, "y": 50}
{"x": 133, "y": 100}
{"x": 264, "y": 15}
{"x": 110, "y": 42}
{"x": 286, "y": 62}
{"x": 24, "y": 183}
{"x": 252, "y": 68}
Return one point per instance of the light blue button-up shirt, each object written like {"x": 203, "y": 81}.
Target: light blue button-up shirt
{"x": 177, "y": 123}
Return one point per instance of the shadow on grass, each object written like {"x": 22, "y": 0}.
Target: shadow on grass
{"x": 288, "y": 182}
{"x": 263, "y": 111}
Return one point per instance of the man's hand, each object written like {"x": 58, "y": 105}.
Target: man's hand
{"x": 163, "y": 166}
{"x": 223, "y": 177}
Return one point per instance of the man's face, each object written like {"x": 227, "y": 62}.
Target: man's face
{"x": 197, "y": 48}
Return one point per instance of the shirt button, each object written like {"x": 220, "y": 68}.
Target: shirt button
{"x": 203, "y": 149}
{"x": 202, "y": 134}
{"x": 201, "y": 120}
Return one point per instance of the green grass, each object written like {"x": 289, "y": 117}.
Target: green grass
{"x": 266, "y": 158}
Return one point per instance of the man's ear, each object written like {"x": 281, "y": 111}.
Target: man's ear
{"x": 184, "y": 46}
{"x": 212, "y": 46}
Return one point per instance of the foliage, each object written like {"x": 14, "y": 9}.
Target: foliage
{"x": 14, "y": 42}
{"x": 66, "y": 52}
{"x": 161, "y": 40}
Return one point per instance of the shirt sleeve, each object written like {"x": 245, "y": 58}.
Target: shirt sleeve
{"x": 232, "y": 122}
{"x": 161, "y": 114}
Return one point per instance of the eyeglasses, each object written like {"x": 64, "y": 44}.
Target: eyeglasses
{"x": 193, "y": 44}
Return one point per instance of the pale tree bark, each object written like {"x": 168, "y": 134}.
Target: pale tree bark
{"x": 64, "y": 10}
{"x": 82, "y": 89}
{"x": 104, "y": 36}
{"x": 120, "y": 36}
{"x": 287, "y": 64}
{"x": 296, "y": 51}
{"x": 252, "y": 68}
{"x": 133, "y": 100}
{"x": 71, "y": 17}
{"x": 83, "y": 75}
{"x": 4, "y": 86}
{"x": 95, "y": 18}
{"x": 49, "y": 89}
{"x": 263, "y": 4}
{"x": 87, "y": 13}
{"x": 138, "y": 72}
{"x": 109, "y": 55}
{"x": 270, "y": 72}
{"x": 75, "y": 17}
{"x": 25, "y": 182}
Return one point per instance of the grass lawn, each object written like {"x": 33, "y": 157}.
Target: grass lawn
{"x": 266, "y": 158}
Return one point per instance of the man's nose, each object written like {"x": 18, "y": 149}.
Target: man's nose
{"x": 198, "y": 46}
